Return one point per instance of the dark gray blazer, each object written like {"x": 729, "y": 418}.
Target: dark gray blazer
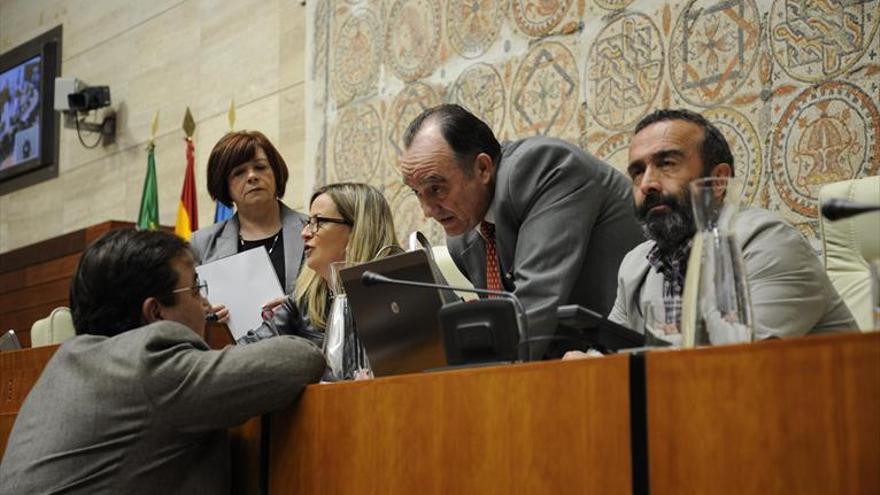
{"x": 221, "y": 240}
{"x": 563, "y": 222}
{"x": 147, "y": 411}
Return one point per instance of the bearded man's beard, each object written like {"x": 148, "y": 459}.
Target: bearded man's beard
{"x": 668, "y": 228}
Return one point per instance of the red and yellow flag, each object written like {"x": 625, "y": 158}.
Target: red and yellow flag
{"x": 187, "y": 210}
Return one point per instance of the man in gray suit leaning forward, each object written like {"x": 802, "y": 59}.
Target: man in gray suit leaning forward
{"x": 137, "y": 402}
{"x": 538, "y": 217}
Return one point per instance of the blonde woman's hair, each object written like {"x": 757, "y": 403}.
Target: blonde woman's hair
{"x": 372, "y": 230}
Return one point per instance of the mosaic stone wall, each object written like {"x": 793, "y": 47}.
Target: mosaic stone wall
{"x": 793, "y": 84}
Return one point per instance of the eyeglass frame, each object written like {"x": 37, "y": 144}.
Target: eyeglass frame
{"x": 200, "y": 285}
{"x": 317, "y": 220}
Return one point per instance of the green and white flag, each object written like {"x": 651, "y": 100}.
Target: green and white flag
{"x": 148, "y": 219}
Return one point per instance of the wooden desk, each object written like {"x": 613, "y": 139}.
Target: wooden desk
{"x": 552, "y": 427}
{"x": 799, "y": 416}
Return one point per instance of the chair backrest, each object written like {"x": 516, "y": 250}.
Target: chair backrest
{"x": 850, "y": 243}
{"x": 53, "y": 329}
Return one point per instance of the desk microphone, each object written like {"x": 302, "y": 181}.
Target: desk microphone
{"x": 369, "y": 278}
{"x": 836, "y": 209}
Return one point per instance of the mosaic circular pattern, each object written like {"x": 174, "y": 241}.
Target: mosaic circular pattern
{"x": 357, "y": 56}
{"x": 412, "y": 38}
{"x": 816, "y": 41}
{"x": 827, "y": 134}
{"x": 625, "y": 67}
{"x": 539, "y": 17}
{"x": 613, "y": 4}
{"x": 745, "y": 146}
{"x": 357, "y": 142}
{"x": 473, "y": 25}
{"x": 543, "y": 97}
{"x": 480, "y": 89}
{"x": 407, "y": 105}
{"x": 810, "y": 230}
{"x": 615, "y": 151}
{"x": 713, "y": 49}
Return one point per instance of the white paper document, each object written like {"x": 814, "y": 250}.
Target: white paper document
{"x": 242, "y": 282}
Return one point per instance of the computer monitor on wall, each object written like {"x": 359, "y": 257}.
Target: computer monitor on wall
{"x": 29, "y": 125}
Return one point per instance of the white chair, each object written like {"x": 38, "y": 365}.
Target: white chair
{"x": 53, "y": 329}
{"x": 850, "y": 243}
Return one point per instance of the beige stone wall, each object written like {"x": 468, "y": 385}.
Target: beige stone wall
{"x": 160, "y": 55}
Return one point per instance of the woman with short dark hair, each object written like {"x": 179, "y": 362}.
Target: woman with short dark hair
{"x": 245, "y": 170}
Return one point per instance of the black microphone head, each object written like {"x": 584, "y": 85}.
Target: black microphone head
{"x": 836, "y": 208}
{"x": 832, "y": 210}
{"x": 369, "y": 278}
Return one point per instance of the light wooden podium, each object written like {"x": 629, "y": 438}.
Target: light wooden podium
{"x": 781, "y": 417}
{"x": 552, "y": 427}
{"x": 796, "y": 416}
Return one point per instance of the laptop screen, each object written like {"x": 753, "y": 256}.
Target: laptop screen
{"x": 397, "y": 325}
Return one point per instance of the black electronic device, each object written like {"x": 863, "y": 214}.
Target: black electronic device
{"x": 90, "y": 98}
{"x": 474, "y": 332}
{"x": 837, "y": 209}
{"x": 597, "y": 331}
{"x": 29, "y": 126}
{"x": 479, "y": 331}
{"x": 397, "y": 326}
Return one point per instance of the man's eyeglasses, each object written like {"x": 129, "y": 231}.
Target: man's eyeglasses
{"x": 200, "y": 288}
{"x": 314, "y": 223}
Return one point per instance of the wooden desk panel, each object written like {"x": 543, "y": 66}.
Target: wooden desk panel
{"x": 797, "y": 416}
{"x": 534, "y": 428}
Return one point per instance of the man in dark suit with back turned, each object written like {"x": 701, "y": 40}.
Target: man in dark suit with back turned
{"x": 557, "y": 219}
{"x": 137, "y": 402}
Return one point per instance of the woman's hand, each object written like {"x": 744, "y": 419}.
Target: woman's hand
{"x": 274, "y": 303}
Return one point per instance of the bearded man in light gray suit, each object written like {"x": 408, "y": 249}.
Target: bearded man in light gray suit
{"x": 561, "y": 219}
{"x": 790, "y": 292}
{"x": 137, "y": 402}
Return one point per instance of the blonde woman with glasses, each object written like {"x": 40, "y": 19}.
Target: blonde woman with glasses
{"x": 347, "y": 221}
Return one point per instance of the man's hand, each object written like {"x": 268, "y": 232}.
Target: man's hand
{"x": 220, "y": 313}
{"x": 572, "y": 355}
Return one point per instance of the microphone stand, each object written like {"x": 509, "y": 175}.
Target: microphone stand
{"x": 369, "y": 278}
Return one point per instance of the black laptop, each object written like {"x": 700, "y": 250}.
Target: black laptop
{"x": 397, "y": 325}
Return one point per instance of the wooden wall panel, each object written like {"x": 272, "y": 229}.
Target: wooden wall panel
{"x": 35, "y": 279}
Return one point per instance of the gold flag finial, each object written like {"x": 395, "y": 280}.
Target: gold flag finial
{"x": 230, "y": 116}
{"x": 189, "y": 124}
{"x": 154, "y": 126}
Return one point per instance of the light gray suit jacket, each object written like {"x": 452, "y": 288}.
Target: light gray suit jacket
{"x": 563, "y": 222}
{"x": 147, "y": 411}
{"x": 790, "y": 292}
{"x": 221, "y": 240}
